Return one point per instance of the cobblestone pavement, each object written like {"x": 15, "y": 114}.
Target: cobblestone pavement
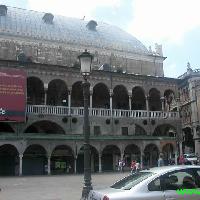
{"x": 66, "y": 187}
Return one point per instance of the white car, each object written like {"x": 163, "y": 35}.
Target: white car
{"x": 192, "y": 158}
{"x": 159, "y": 183}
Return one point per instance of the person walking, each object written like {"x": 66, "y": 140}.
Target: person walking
{"x": 137, "y": 166}
{"x": 160, "y": 161}
{"x": 119, "y": 165}
{"x": 133, "y": 166}
{"x": 181, "y": 160}
{"x": 123, "y": 165}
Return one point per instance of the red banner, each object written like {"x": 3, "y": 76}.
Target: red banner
{"x": 12, "y": 95}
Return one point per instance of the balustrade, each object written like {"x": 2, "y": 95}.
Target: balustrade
{"x": 98, "y": 112}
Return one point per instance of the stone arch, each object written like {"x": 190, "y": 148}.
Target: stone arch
{"x": 62, "y": 160}
{"x": 35, "y": 91}
{"x": 120, "y": 98}
{"x": 165, "y": 130}
{"x": 132, "y": 152}
{"x": 6, "y": 128}
{"x": 34, "y": 160}
{"x": 57, "y": 93}
{"x": 9, "y": 159}
{"x": 94, "y": 156}
{"x": 151, "y": 153}
{"x": 168, "y": 152}
{"x": 45, "y": 127}
{"x": 101, "y": 96}
{"x": 138, "y": 99}
{"x": 154, "y": 100}
{"x": 77, "y": 95}
{"x": 169, "y": 98}
{"x": 110, "y": 156}
{"x": 188, "y": 143}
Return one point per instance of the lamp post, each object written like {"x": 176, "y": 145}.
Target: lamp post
{"x": 86, "y": 62}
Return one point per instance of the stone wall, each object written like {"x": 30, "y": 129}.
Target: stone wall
{"x": 66, "y": 55}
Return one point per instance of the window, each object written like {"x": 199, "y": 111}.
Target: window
{"x": 155, "y": 185}
{"x": 130, "y": 181}
{"x": 97, "y": 130}
{"x": 124, "y": 130}
{"x": 183, "y": 179}
{"x": 197, "y": 176}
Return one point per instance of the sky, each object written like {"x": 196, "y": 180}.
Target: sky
{"x": 175, "y": 24}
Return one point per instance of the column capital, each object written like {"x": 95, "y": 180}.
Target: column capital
{"x": 111, "y": 92}
{"x": 147, "y": 97}
{"x": 45, "y": 86}
{"x": 162, "y": 99}
{"x": 91, "y": 88}
{"x": 91, "y": 92}
{"x": 21, "y": 156}
{"x": 130, "y": 93}
{"x": 69, "y": 88}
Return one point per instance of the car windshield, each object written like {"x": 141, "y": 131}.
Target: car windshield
{"x": 130, "y": 181}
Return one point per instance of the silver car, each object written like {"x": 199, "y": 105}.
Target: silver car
{"x": 159, "y": 183}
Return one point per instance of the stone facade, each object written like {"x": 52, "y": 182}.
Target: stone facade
{"x": 134, "y": 112}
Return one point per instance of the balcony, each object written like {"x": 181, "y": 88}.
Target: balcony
{"x": 99, "y": 112}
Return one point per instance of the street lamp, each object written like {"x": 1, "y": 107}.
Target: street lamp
{"x": 86, "y": 62}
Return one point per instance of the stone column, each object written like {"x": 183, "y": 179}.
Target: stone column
{"x": 130, "y": 101}
{"x": 122, "y": 156}
{"x": 75, "y": 159}
{"x": 20, "y": 164}
{"x": 147, "y": 103}
{"x": 180, "y": 148}
{"x": 91, "y": 93}
{"x": 162, "y": 102}
{"x": 100, "y": 166}
{"x": 111, "y": 94}
{"x": 197, "y": 147}
{"x": 45, "y": 93}
{"x": 45, "y": 96}
{"x": 92, "y": 162}
{"x": 49, "y": 165}
{"x": 176, "y": 157}
{"x": 69, "y": 102}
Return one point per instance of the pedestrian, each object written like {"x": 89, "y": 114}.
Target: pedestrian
{"x": 119, "y": 165}
{"x": 137, "y": 166}
{"x": 133, "y": 166}
{"x": 123, "y": 165}
{"x": 160, "y": 161}
{"x": 181, "y": 160}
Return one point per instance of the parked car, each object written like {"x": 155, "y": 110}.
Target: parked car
{"x": 159, "y": 183}
{"x": 191, "y": 159}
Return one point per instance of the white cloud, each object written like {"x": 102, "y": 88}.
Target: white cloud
{"x": 164, "y": 21}
{"x": 71, "y": 8}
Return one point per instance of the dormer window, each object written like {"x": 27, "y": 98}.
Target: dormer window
{"x": 48, "y": 18}
{"x": 3, "y": 10}
{"x": 91, "y": 25}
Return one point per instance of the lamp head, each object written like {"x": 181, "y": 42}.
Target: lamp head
{"x": 85, "y": 60}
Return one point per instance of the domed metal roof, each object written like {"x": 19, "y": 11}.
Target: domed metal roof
{"x": 30, "y": 24}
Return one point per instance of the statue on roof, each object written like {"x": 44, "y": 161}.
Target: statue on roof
{"x": 158, "y": 49}
{"x": 150, "y": 50}
{"x": 189, "y": 69}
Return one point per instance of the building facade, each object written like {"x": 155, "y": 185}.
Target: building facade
{"x": 133, "y": 112}
{"x": 189, "y": 109}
